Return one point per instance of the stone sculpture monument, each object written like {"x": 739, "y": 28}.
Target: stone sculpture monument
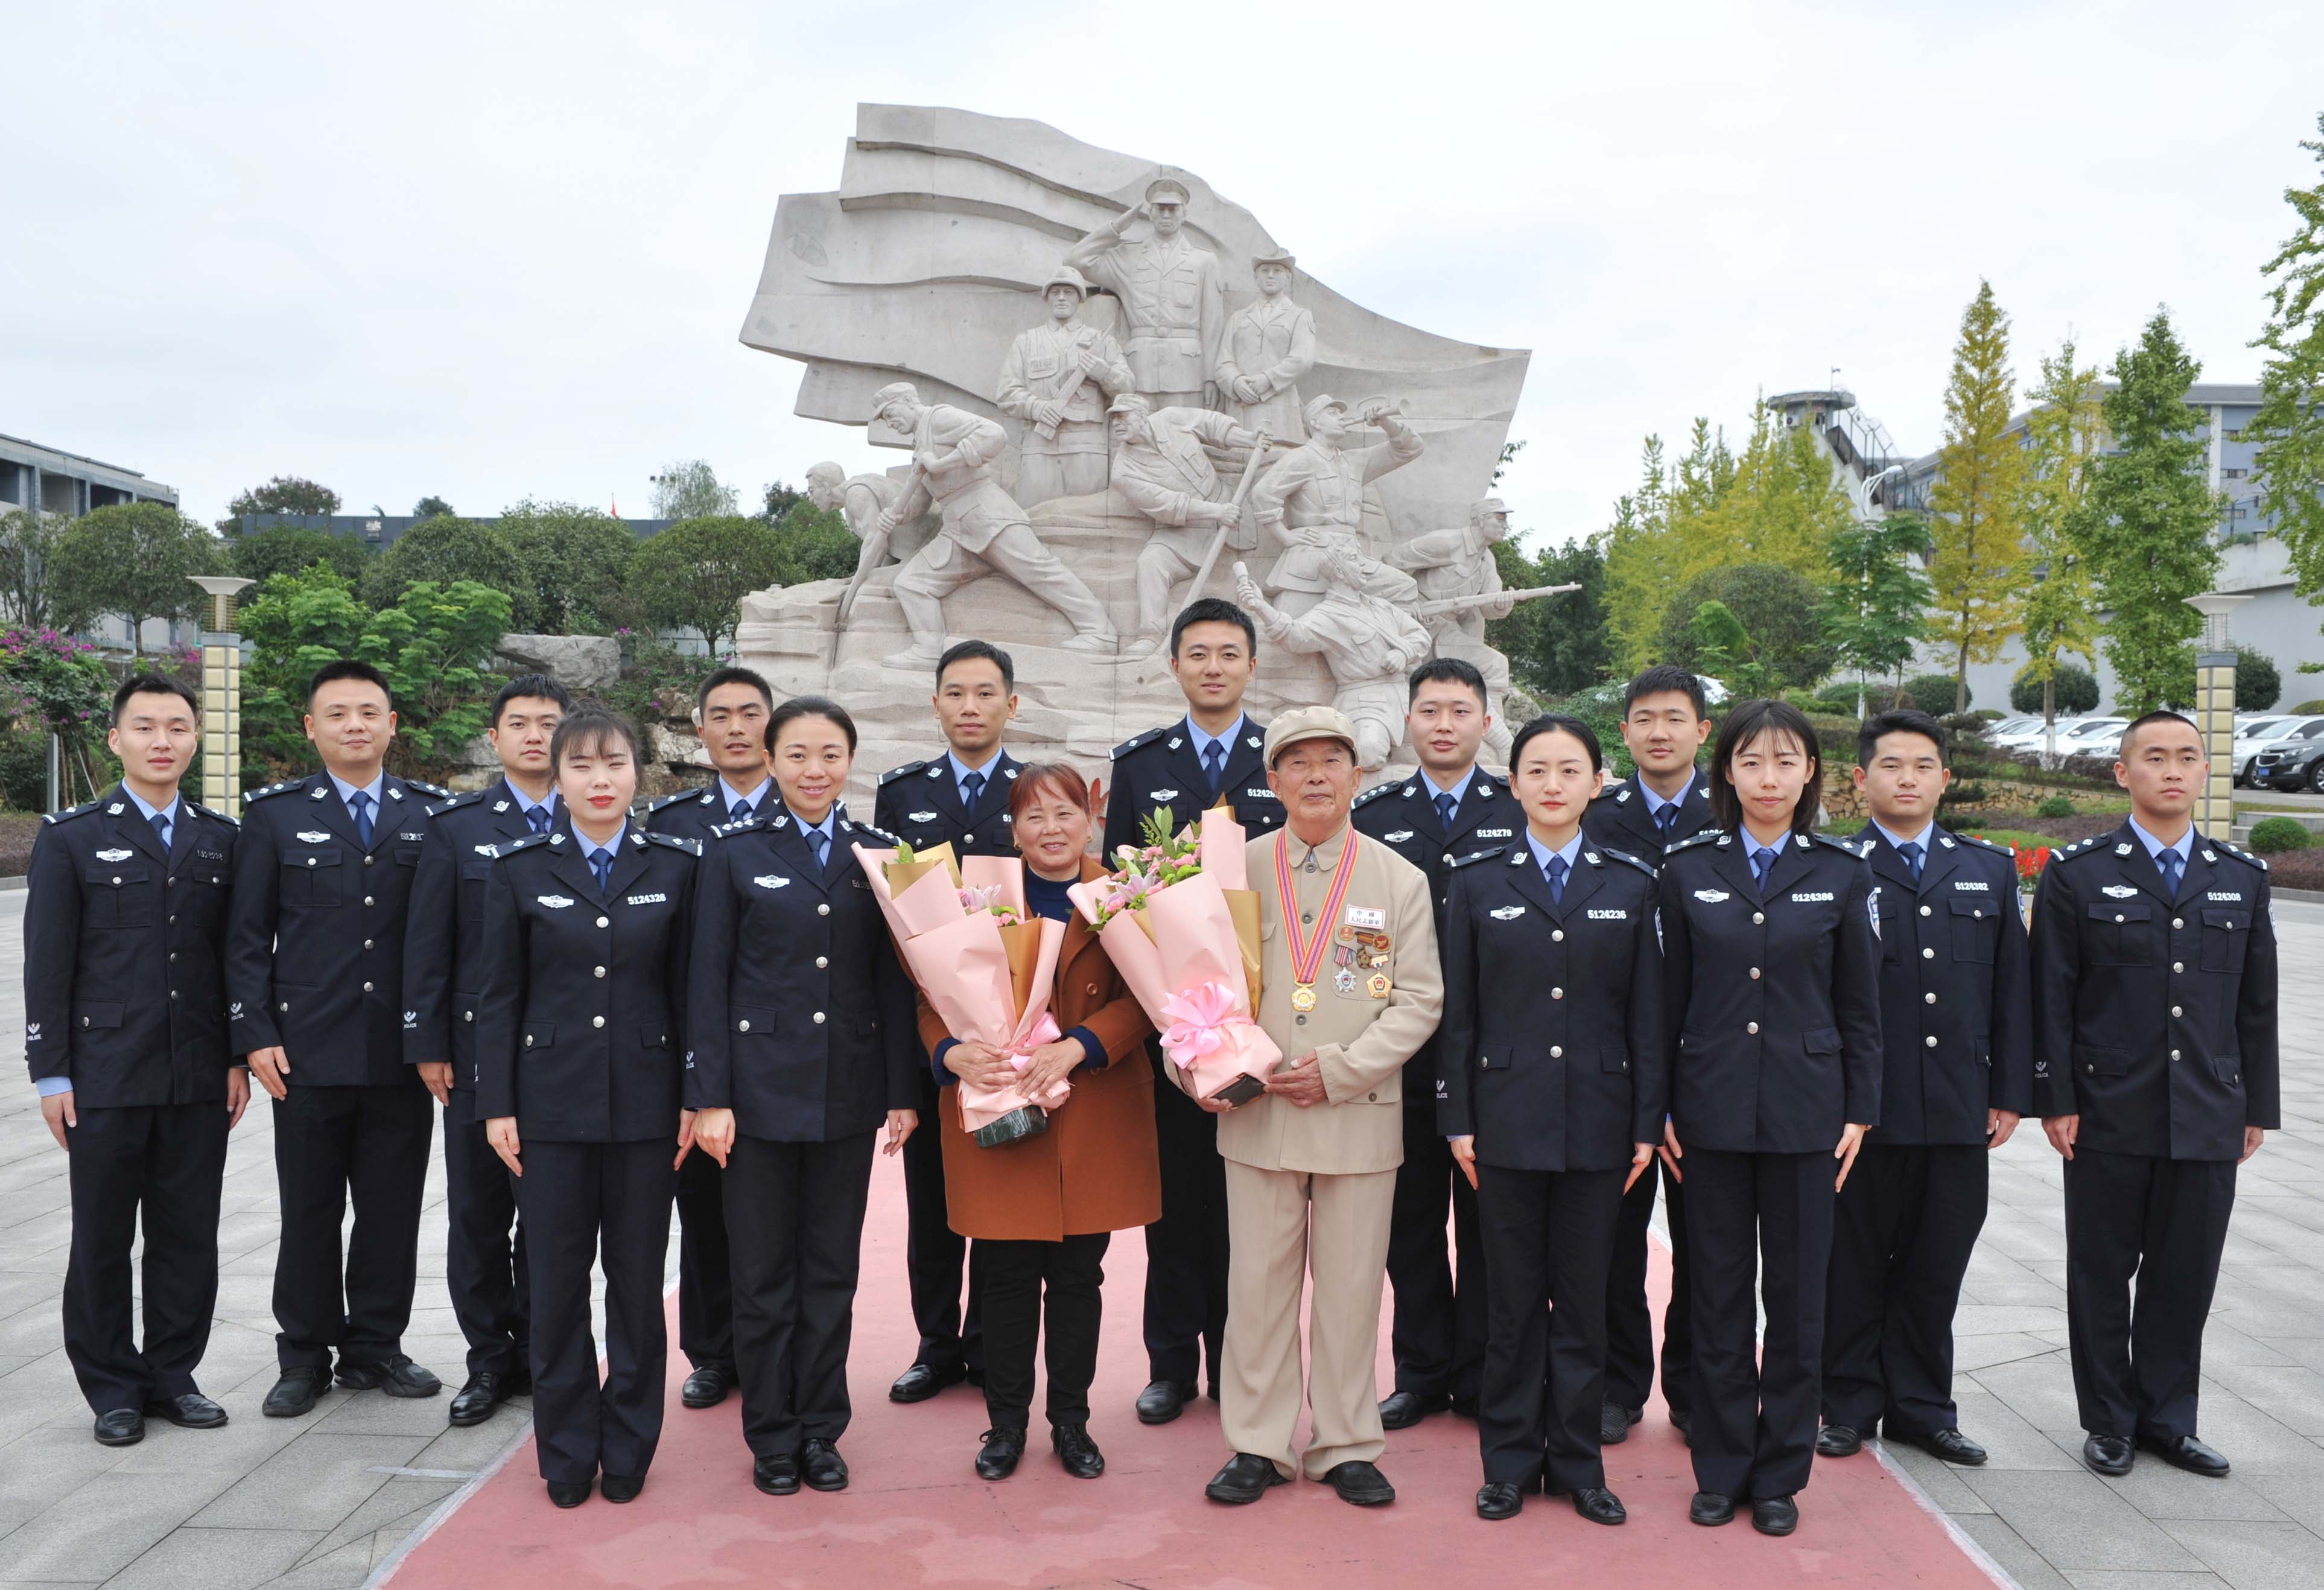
{"x": 1368, "y": 642}
{"x": 1456, "y": 568}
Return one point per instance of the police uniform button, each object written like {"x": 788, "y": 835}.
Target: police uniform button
{"x": 366, "y": 946}
{"x": 2178, "y": 965}
{"x": 528, "y": 1041}
{"x": 2175, "y": 921}
{"x": 1930, "y": 1041}
{"x": 366, "y": 900}
{"x": 2174, "y": 1010}
{"x": 368, "y": 860}
{"x": 310, "y": 862}
{"x": 1448, "y": 858}
{"x": 1928, "y": 955}
{"x": 283, "y": 1007}
{"x": 818, "y": 1018}
{"x": 1557, "y": 935}
{"x": 1752, "y": 1028}
{"x": 174, "y": 954}
{"x": 2118, "y": 917}
{"x": 367, "y": 988}
{"x": 116, "y": 880}
{"x": 2174, "y": 1054}
{"x": 822, "y": 961}
{"x": 1557, "y": 993}
{"x": 1976, "y": 913}
{"x": 1301, "y": 1020}
{"x": 1928, "y": 999}
{"x": 173, "y": 993}
{"x": 1758, "y": 918}
{"x": 1556, "y": 1051}
{"x": 467, "y": 1015}
{"x": 604, "y": 922}
{"x": 742, "y": 1026}
{"x": 599, "y": 971}
{"x": 824, "y": 909}
{"x": 1925, "y": 911}
{"x": 84, "y": 1021}
{"x": 170, "y": 882}
{"x": 596, "y": 1021}
{"x": 1755, "y": 973}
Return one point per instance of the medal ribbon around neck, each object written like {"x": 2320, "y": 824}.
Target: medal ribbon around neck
{"x": 1307, "y": 954}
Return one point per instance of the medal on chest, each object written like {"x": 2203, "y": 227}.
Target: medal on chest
{"x": 1306, "y": 948}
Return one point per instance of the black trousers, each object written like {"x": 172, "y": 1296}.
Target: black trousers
{"x": 1015, "y": 1311}
{"x": 1629, "y": 1322}
{"x": 2138, "y": 1367}
{"x": 1438, "y": 1331}
{"x": 935, "y": 1253}
{"x": 604, "y": 1202}
{"x": 334, "y": 1145}
{"x": 1902, "y": 1235}
{"x": 162, "y": 1163}
{"x": 1754, "y": 1423}
{"x": 1548, "y": 1240}
{"x": 485, "y": 1266}
{"x": 1187, "y": 1248}
{"x": 794, "y": 1227}
{"x": 706, "y": 1293}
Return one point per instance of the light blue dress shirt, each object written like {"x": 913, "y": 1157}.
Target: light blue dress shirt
{"x": 960, "y": 770}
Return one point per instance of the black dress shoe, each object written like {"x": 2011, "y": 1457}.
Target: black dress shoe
{"x": 397, "y": 1376}
{"x": 1614, "y": 1422}
{"x": 825, "y": 1468}
{"x": 1774, "y": 1515}
{"x": 1683, "y": 1421}
{"x": 2108, "y": 1454}
{"x": 569, "y": 1493}
{"x": 1077, "y": 1451}
{"x": 1163, "y": 1401}
{"x": 1838, "y": 1441}
{"x": 120, "y": 1427}
{"x": 1464, "y": 1407}
{"x": 924, "y": 1380}
{"x": 485, "y": 1391}
{"x": 2188, "y": 1453}
{"x": 1600, "y": 1505}
{"x": 190, "y": 1411}
{"x": 997, "y": 1458}
{"x": 1360, "y": 1485}
{"x": 294, "y": 1394}
{"x": 777, "y": 1477}
{"x": 620, "y": 1487}
{"x": 1500, "y": 1500}
{"x": 1709, "y": 1507}
{"x": 707, "y": 1386}
{"x": 1244, "y": 1479}
{"x": 1949, "y": 1445}
{"x": 1400, "y": 1411}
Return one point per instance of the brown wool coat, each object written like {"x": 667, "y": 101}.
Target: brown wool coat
{"x": 1096, "y": 1169}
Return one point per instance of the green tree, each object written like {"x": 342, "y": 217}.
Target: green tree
{"x": 431, "y": 508}
{"x": 286, "y": 549}
{"x": 132, "y": 558}
{"x": 27, "y": 539}
{"x": 2064, "y": 435}
{"x": 695, "y": 574}
{"x": 778, "y": 500}
{"x": 1776, "y": 609}
{"x": 446, "y": 550}
{"x": 2259, "y": 683}
{"x": 1874, "y": 613}
{"x": 576, "y": 564}
{"x": 1973, "y": 570}
{"x": 813, "y": 543}
{"x": 285, "y": 494}
{"x": 1558, "y": 644}
{"x": 689, "y": 488}
{"x": 2070, "y": 689}
{"x": 2289, "y": 427}
{"x": 1718, "y": 646}
{"x": 2151, "y": 521}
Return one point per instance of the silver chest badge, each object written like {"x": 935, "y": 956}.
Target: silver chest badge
{"x": 770, "y": 880}
{"x": 1503, "y": 913}
{"x": 1710, "y": 896}
{"x": 1161, "y": 794}
{"x": 115, "y": 855}
{"x": 555, "y": 901}
{"x": 919, "y": 817}
{"x": 1398, "y": 837}
{"x": 2120, "y": 892}
{"x": 308, "y": 836}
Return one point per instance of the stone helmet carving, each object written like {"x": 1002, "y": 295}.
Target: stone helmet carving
{"x": 1167, "y": 190}
{"x": 1067, "y": 276}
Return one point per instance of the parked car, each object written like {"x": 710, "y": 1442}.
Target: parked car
{"x": 2292, "y": 760}
{"x": 2075, "y": 736}
{"x": 2253, "y": 735}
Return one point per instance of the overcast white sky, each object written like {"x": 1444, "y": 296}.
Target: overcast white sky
{"x": 491, "y": 251}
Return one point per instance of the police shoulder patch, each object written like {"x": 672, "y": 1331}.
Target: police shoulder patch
{"x": 213, "y": 812}
{"x": 686, "y": 794}
{"x": 1612, "y": 853}
{"x": 2096, "y": 846}
{"x": 1135, "y": 741}
{"x": 457, "y": 801}
{"x": 675, "y": 842}
{"x": 250, "y": 797}
{"x": 433, "y": 791}
{"x": 1983, "y": 843}
{"x": 1711, "y": 836}
{"x": 1377, "y": 791}
{"x": 881, "y": 835}
{"x": 1477, "y": 855}
{"x": 66, "y": 817}
{"x": 502, "y": 852}
{"x": 2245, "y": 856}
{"x": 893, "y": 773}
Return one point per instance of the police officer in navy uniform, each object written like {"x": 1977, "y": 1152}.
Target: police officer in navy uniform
{"x": 1550, "y": 1088}
{"x": 959, "y": 799}
{"x": 443, "y": 980}
{"x": 125, "y": 1033}
{"x": 1450, "y": 807}
{"x": 314, "y": 972}
{"x": 1771, "y": 964}
{"x": 1212, "y": 754}
{"x": 1665, "y": 718}
{"x": 2155, "y": 1072}
{"x": 1956, "y": 1026}
{"x": 731, "y": 708}
{"x": 802, "y": 1053}
{"x": 580, "y": 1037}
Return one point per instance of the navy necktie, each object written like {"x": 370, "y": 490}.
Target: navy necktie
{"x": 1666, "y": 819}
{"x": 2170, "y": 861}
{"x": 1446, "y": 805}
{"x": 739, "y": 812}
{"x": 971, "y": 787}
{"x": 819, "y": 843}
{"x": 359, "y": 807}
{"x": 1763, "y": 862}
{"x": 601, "y": 862}
{"x": 161, "y": 829}
{"x": 1555, "y": 867}
{"x": 538, "y": 819}
{"x": 1214, "y": 763}
{"x": 1912, "y": 855}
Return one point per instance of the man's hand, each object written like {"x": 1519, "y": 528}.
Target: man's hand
{"x": 1465, "y": 1155}
{"x": 271, "y": 1066}
{"x": 901, "y": 1126}
{"x": 1048, "y": 412}
{"x": 438, "y": 1076}
{"x": 1998, "y": 1125}
{"x": 1851, "y": 1138}
{"x": 980, "y": 1064}
{"x": 713, "y": 1133}
{"x": 1089, "y": 362}
{"x": 887, "y": 523}
{"x": 2253, "y": 1137}
{"x": 1246, "y": 389}
{"x": 57, "y": 1110}
{"x": 1300, "y": 1082}
{"x": 237, "y": 1094}
{"x": 2062, "y": 1131}
{"x": 1642, "y": 1159}
{"x": 1671, "y": 1152}
{"x": 501, "y": 1133}
{"x": 1048, "y": 1066}
{"x": 684, "y": 1137}
{"x": 1220, "y": 515}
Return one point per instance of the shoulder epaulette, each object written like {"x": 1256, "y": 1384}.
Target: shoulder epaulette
{"x": 1702, "y": 836}
{"x": 2245, "y": 856}
{"x": 2090, "y": 846}
{"x": 1477, "y": 855}
{"x": 893, "y": 773}
{"x": 66, "y": 817}
{"x": 1610, "y": 792}
{"x": 1980, "y": 840}
{"x": 881, "y": 835}
{"x": 1135, "y": 741}
{"x": 675, "y": 842}
{"x": 688, "y": 794}
{"x": 745, "y": 825}
{"x": 1372, "y": 794}
{"x": 433, "y": 791}
{"x": 248, "y": 796}
{"x": 1647, "y": 867}
{"x": 213, "y": 811}
{"x": 470, "y": 799}
{"x": 501, "y": 852}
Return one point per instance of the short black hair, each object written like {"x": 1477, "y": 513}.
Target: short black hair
{"x": 590, "y": 727}
{"x": 153, "y": 684}
{"x": 1214, "y": 610}
{"x": 2160, "y": 714}
{"x": 1662, "y": 678}
{"x": 1559, "y": 721}
{"x": 1748, "y": 723}
{"x": 1904, "y": 720}
{"x": 970, "y": 651}
{"x": 531, "y": 687}
{"x": 1451, "y": 671}
{"x": 800, "y": 706}
{"x": 348, "y": 668}
{"x": 731, "y": 675}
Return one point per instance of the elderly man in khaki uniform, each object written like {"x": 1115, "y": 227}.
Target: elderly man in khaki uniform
{"x": 1353, "y": 988}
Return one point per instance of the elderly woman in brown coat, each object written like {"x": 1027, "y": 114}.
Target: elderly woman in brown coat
{"x": 1042, "y": 1209}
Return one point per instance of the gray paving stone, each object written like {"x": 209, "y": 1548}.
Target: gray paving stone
{"x": 1940, "y": 1480}
{"x": 2257, "y": 1557}
{"x": 375, "y": 1413}
{"x": 347, "y": 1568}
{"x": 2026, "y": 1566}
{"x": 106, "y": 1524}
{"x": 2009, "y": 1441}
{"x": 215, "y": 1559}
{"x": 312, "y": 1484}
{"x": 2133, "y": 1580}
{"x": 2291, "y": 1396}
{"x": 2075, "y": 1521}
{"x": 406, "y": 1502}
{"x": 2040, "y": 1390}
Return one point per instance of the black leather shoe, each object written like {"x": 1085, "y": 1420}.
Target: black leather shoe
{"x": 1077, "y": 1451}
{"x": 1400, "y": 1411}
{"x": 2188, "y": 1453}
{"x": 1163, "y": 1401}
{"x": 190, "y": 1411}
{"x": 397, "y": 1376}
{"x": 997, "y": 1458}
{"x": 1838, "y": 1441}
{"x": 1360, "y": 1485}
{"x": 620, "y": 1487}
{"x": 569, "y": 1493}
{"x": 825, "y": 1468}
{"x": 1709, "y": 1507}
{"x": 1774, "y": 1515}
{"x": 777, "y": 1477}
{"x": 707, "y": 1387}
{"x": 2108, "y": 1454}
{"x": 485, "y": 1391}
{"x": 1683, "y": 1421}
{"x": 294, "y": 1394}
{"x": 1499, "y": 1501}
{"x": 1600, "y": 1505}
{"x": 120, "y": 1427}
{"x": 1949, "y": 1445}
{"x": 1244, "y": 1479}
{"x": 1614, "y": 1422}
{"x": 924, "y": 1380}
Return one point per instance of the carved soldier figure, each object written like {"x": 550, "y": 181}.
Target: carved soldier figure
{"x": 861, "y": 499}
{"x": 1457, "y": 563}
{"x": 953, "y": 454}
{"x": 1268, "y": 345}
{"x": 1163, "y": 470}
{"x": 1314, "y": 500}
{"x": 1057, "y": 380}
{"x": 1171, "y": 294}
{"x": 1369, "y": 642}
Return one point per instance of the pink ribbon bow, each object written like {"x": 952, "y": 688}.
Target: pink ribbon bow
{"x": 1200, "y": 1023}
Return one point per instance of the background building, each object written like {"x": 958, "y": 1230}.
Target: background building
{"x": 54, "y": 481}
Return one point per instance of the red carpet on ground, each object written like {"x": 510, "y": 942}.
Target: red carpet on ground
{"x": 916, "y": 1514}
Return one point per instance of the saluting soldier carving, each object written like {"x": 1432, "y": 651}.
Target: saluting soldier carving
{"x": 1057, "y": 380}
{"x": 1172, "y": 298}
